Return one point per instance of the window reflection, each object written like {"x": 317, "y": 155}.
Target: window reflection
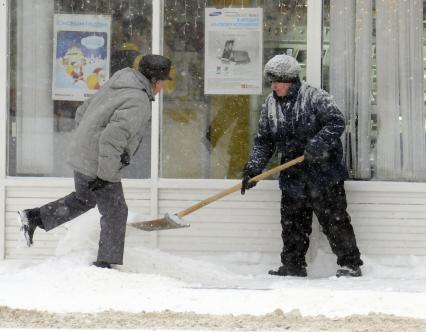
{"x": 40, "y": 128}
{"x": 209, "y": 136}
{"x": 379, "y": 84}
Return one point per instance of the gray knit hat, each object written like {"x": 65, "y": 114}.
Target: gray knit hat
{"x": 282, "y": 68}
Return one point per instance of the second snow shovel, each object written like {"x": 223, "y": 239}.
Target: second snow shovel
{"x": 173, "y": 221}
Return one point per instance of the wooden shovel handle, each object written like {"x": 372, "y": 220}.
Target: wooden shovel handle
{"x": 236, "y": 187}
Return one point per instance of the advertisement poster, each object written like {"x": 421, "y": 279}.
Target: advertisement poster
{"x": 81, "y": 55}
{"x": 233, "y": 59}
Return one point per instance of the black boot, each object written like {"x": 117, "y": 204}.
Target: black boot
{"x": 29, "y": 220}
{"x": 349, "y": 271}
{"x": 101, "y": 264}
{"x": 291, "y": 271}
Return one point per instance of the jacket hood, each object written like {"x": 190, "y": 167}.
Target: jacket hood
{"x": 129, "y": 78}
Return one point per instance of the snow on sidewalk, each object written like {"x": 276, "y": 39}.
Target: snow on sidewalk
{"x": 237, "y": 283}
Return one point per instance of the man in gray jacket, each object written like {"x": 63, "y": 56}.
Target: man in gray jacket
{"x": 109, "y": 131}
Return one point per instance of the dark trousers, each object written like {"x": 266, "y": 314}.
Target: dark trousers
{"x": 330, "y": 208}
{"x": 111, "y": 206}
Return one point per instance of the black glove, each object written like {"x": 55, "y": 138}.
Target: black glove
{"x": 245, "y": 184}
{"x": 97, "y": 184}
{"x": 125, "y": 159}
{"x": 314, "y": 155}
{"x": 308, "y": 156}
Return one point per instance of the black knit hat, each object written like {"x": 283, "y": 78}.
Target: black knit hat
{"x": 155, "y": 67}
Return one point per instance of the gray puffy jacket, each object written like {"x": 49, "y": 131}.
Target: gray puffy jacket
{"x": 110, "y": 123}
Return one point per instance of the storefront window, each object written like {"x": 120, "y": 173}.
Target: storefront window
{"x": 375, "y": 66}
{"x": 61, "y": 51}
{"x": 207, "y": 134}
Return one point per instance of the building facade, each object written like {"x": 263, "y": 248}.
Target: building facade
{"x": 368, "y": 54}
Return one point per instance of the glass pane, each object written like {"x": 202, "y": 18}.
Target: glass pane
{"x": 374, "y": 65}
{"x": 424, "y": 53}
{"x": 41, "y": 128}
{"x": 209, "y": 136}
{"x": 325, "y": 84}
{"x": 347, "y": 63}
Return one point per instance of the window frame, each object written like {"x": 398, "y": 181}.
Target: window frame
{"x": 4, "y": 33}
{"x": 314, "y": 45}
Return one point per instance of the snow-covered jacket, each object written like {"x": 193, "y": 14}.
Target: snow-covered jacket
{"x": 307, "y": 118}
{"x": 110, "y": 123}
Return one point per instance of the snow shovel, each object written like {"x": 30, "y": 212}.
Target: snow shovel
{"x": 173, "y": 221}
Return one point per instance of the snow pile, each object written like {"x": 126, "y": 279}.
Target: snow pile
{"x": 238, "y": 283}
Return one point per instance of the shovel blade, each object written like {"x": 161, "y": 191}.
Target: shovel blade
{"x": 168, "y": 222}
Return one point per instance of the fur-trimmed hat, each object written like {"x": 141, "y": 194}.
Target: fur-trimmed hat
{"x": 282, "y": 68}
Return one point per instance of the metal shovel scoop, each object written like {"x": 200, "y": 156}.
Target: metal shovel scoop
{"x": 173, "y": 221}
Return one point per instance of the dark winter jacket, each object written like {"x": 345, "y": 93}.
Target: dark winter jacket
{"x": 111, "y": 124}
{"x": 306, "y": 119}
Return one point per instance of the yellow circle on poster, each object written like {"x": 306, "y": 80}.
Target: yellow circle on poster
{"x": 92, "y": 81}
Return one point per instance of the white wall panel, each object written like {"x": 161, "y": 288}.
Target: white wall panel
{"x": 235, "y": 223}
{"x": 22, "y": 197}
{"x": 388, "y": 219}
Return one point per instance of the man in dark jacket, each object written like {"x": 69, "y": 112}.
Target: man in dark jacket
{"x": 298, "y": 119}
{"x": 110, "y": 126}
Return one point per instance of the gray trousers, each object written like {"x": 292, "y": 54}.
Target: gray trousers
{"x": 111, "y": 206}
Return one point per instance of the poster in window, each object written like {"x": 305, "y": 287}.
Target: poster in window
{"x": 81, "y": 55}
{"x": 233, "y": 44}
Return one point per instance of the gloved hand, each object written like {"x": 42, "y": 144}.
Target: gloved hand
{"x": 97, "y": 184}
{"x": 245, "y": 184}
{"x": 313, "y": 155}
{"x": 125, "y": 159}
{"x": 308, "y": 156}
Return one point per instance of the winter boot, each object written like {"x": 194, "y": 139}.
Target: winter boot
{"x": 29, "y": 220}
{"x": 101, "y": 264}
{"x": 291, "y": 271}
{"x": 349, "y": 271}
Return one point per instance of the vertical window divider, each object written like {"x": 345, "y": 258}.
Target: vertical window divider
{"x": 157, "y": 28}
{"x": 314, "y": 28}
{"x": 3, "y": 118}
{"x": 314, "y": 42}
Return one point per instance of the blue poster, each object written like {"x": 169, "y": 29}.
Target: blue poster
{"x": 81, "y": 55}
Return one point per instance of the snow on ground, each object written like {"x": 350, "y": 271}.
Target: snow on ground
{"x": 237, "y": 283}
